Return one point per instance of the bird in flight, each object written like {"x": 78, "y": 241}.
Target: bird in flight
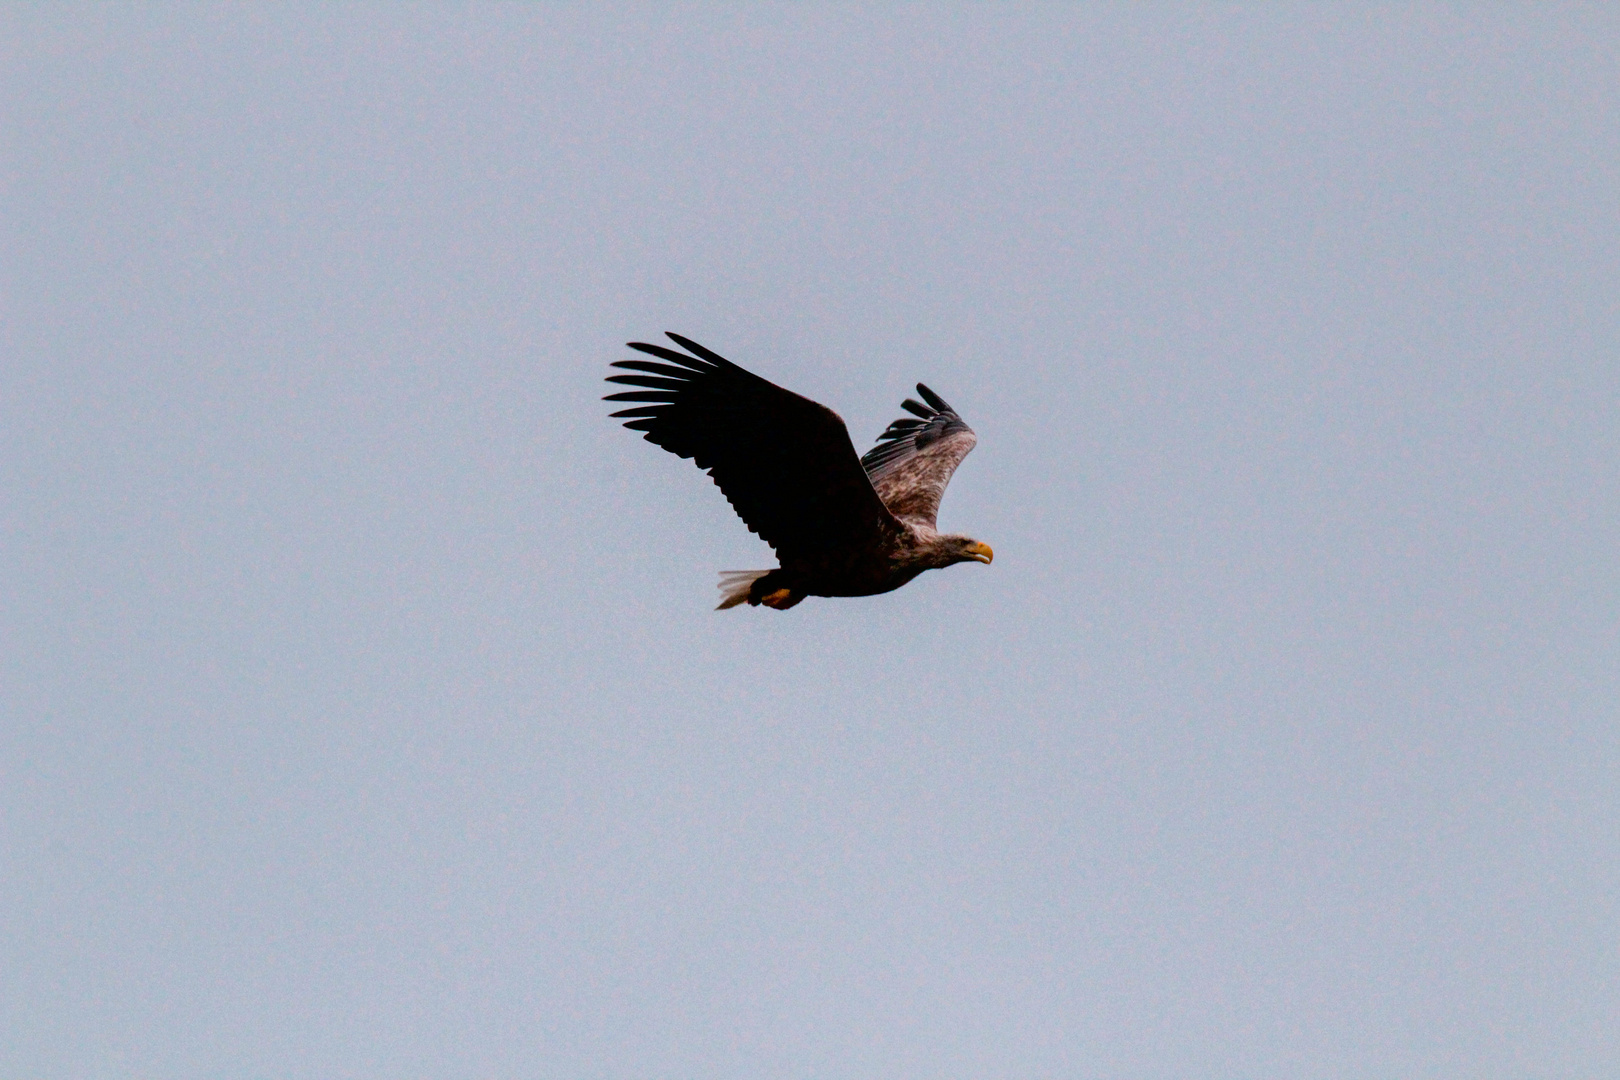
{"x": 841, "y": 525}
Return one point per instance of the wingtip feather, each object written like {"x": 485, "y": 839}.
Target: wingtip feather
{"x": 697, "y": 350}
{"x": 933, "y": 399}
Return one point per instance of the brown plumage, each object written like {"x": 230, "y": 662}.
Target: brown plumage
{"x": 841, "y": 525}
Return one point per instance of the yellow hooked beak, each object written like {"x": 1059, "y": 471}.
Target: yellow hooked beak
{"x": 980, "y": 552}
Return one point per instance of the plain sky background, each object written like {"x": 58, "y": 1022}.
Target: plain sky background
{"x": 364, "y": 711}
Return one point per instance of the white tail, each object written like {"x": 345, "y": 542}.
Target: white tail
{"x": 734, "y": 586}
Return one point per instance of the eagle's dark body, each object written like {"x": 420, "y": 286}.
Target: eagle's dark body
{"x": 841, "y": 525}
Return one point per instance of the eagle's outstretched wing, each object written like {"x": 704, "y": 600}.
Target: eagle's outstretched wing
{"x": 784, "y": 462}
{"x": 914, "y": 459}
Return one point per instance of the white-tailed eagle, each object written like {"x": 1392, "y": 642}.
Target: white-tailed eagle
{"x": 841, "y": 525}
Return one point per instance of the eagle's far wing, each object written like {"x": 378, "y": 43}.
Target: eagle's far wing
{"x": 784, "y": 462}
{"x": 914, "y": 459}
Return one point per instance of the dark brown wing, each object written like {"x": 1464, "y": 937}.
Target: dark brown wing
{"x": 785, "y": 463}
{"x": 914, "y": 459}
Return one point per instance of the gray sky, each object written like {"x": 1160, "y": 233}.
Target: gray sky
{"x": 365, "y": 714}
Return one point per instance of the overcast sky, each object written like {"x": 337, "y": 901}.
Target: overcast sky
{"x": 365, "y": 713}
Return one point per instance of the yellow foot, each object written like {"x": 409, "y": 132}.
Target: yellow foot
{"x": 781, "y": 598}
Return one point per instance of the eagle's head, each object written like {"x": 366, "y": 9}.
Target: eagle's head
{"x": 965, "y": 549}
